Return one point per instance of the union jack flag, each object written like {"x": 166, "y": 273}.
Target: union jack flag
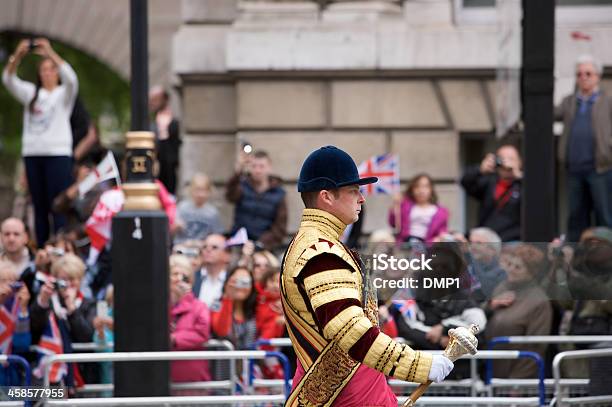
{"x": 8, "y": 316}
{"x": 408, "y": 308}
{"x": 386, "y": 168}
{"x": 51, "y": 344}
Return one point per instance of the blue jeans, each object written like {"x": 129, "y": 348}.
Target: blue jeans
{"x": 588, "y": 192}
{"x": 47, "y": 178}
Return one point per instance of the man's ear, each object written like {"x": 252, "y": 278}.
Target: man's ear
{"x": 326, "y": 197}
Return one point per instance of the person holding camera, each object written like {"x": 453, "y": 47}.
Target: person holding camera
{"x": 189, "y": 322}
{"x": 261, "y": 203}
{"x": 496, "y": 184}
{"x": 61, "y": 307}
{"x": 47, "y": 135}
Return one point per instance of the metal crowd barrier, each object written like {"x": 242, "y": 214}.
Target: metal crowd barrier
{"x": 267, "y": 383}
{"x": 18, "y": 360}
{"x": 211, "y": 384}
{"x": 491, "y": 355}
{"x": 549, "y": 339}
{"x": 474, "y": 401}
{"x": 544, "y": 340}
{"x": 27, "y": 377}
{"x": 159, "y": 356}
{"x": 559, "y": 399}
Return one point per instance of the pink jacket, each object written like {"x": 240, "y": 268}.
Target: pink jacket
{"x": 438, "y": 222}
{"x": 192, "y": 329}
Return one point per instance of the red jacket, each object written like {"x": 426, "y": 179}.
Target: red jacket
{"x": 191, "y": 320}
{"x": 266, "y": 314}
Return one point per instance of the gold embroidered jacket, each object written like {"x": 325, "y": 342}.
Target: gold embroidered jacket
{"x": 322, "y": 294}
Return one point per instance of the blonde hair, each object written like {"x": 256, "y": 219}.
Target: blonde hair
{"x": 183, "y": 263}
{"x": 200, "y": 177}
{"x": 6, "y": 267}
{"x": 69, "y": 263}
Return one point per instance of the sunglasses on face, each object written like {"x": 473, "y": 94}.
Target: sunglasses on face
{"x": 587, "y": 74}
{"x": 189, "y": 252}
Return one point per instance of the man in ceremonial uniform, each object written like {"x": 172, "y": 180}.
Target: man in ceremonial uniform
{"x": 330, "y": 310}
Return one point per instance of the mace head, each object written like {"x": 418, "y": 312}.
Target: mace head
{"x": 466, "y": 338}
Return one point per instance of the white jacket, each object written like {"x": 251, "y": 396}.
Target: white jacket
{"x": 46, "y": 131}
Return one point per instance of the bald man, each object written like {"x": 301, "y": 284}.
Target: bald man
{"x": 14, "y": 239}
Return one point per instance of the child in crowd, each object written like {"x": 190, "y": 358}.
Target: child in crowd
{"x": 196, "y": 218}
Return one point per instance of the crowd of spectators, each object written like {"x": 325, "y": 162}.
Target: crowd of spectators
{"x": 224, "y": 282}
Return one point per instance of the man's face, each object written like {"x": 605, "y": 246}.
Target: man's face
{"x": 587, "y": 78}
{"x": 347, "y": 205}
{"x": 510, "y": 159}
{"x": 259, "y": 168}
{"x": 213, "y": 251}
{"x": 13, "y": 235}
{"x": 482, "y": 250}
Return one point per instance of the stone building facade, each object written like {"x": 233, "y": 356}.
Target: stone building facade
{"x": 415, "y": 78}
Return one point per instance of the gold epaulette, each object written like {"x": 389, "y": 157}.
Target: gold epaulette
{"x": 316, "y": 246}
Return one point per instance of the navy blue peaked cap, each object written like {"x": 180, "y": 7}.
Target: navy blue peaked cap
{"x": 329, "y": 168}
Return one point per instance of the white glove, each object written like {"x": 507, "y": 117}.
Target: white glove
{"x": 441, "y": 366}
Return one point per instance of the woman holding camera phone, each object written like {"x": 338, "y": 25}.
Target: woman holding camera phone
{"x": 47, "y": 136}
{"x": 234, "y": 317}
{"x": 189, "y": 324}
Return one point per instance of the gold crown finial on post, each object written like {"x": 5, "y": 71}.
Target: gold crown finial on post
{"x": 141, "y": 192}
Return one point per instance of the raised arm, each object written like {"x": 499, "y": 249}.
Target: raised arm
{"x": 66, "y": 73}
{"x": 21, "y": 90}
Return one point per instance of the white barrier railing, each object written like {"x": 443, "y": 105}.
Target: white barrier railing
{"x": 211, "y": 384}
{"x": 559, "y": 399}
{"x": 475, "y": 401}
{"x": 161, "y": 356}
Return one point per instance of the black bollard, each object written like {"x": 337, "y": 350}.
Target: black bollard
{"x": 140, "y": 249}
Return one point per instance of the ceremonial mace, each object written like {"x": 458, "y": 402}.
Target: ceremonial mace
{"x": 462, "y": 341}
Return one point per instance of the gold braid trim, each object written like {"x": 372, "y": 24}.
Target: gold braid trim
{"x": 330, "y": 285}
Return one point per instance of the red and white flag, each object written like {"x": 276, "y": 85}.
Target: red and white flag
{"x": 99, "y": 225}
{"x": 107, "y": 169}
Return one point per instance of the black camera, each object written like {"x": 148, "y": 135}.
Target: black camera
{"x": 499, "y": 163}
{"x": 32, "y": 44}
{"x": 58, "y": 284}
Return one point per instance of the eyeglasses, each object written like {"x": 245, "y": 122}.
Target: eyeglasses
{"x": 588, "y": 74}
{"x": 260, "y": 264}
